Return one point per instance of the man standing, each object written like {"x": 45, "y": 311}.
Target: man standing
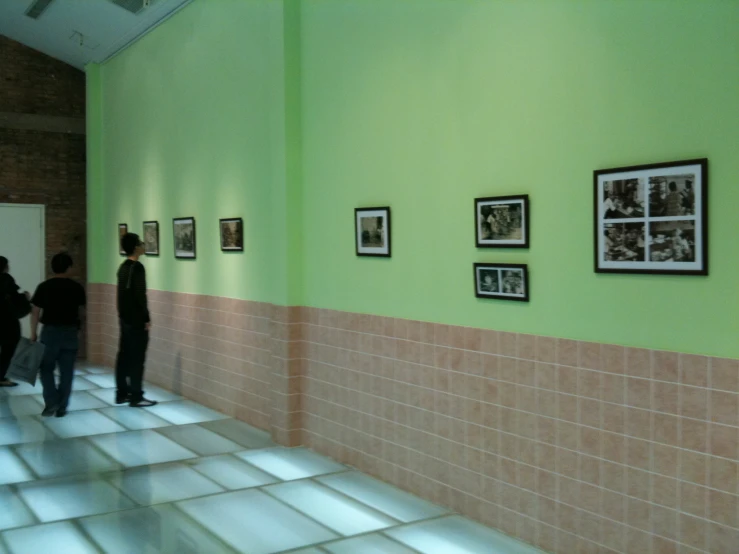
{"x": 56, "y": 304}
{"x": 133, "y": 313}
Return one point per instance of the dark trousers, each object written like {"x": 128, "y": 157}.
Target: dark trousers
{"x": 61, "y": 347}
{"x": 129, "y": 367}
{"x": 10, "y": 334}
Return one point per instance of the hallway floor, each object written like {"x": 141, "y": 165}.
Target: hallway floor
{"x": 181, "y": 478}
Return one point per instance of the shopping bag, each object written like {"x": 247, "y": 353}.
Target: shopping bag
{"x": 26, "y": 361}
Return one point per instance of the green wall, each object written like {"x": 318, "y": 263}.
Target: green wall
{"x": 294, "y": 113}
{"x": 426, "y": 104}
{"x": 193, "y": 124}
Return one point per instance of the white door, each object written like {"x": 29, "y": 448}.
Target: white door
{"x": 22, "y": 242}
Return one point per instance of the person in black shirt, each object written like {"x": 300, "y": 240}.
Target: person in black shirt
{"x": 56, "y": 304}
{"x": 135, "y": 322}
{"x": 10, "y": 327}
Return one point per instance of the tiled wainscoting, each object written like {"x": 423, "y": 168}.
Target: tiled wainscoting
{"x": 574, "y": 447}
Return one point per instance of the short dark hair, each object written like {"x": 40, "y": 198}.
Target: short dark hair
{"x": 4, "y": 263}
{"x": 673, "y": 186}
{"x": 129, "y": 242}
{"x": 61, "y": 263}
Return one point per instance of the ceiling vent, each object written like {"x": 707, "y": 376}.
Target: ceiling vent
{"x": 132, "y": 6}
{"x": 38, "y": 7}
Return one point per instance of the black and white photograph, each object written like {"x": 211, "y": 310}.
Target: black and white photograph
{"x": 502, "y": 222}
{"x": 672, "y": 241}
{"x": 232, "y": 234}
{"x": 184, "y": 238}
{"x": 151, "y": 238}
{"x": 652, "y": 219}
{"x": 502, "y": 281}
{"x": 625, "y": 242}
{"x": 671, "y": 196}
{"x": 372, "y": 230}
{"x": 122, "y": 230}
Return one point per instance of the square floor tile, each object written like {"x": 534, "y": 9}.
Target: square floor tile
{"x": 457, "y": 535}
{"x": 95, "y": 369}
{"x": 255, "y": 523}
{"x": 59, "y": 458}
{"x": 164, "y": 483}
{"x": 12, "y": 469}
{"x": 134, "y": 418}
{"x": 383, "y": 497}
{"x": 184, "y": 412}
{"x": 199, "y": 440}
{"x": 21, "y": 430}
{"x": 81, "y": 400}
{"x": 289, "y": 464}
{"x": 52, "y": 537}
{"x": 106, "y": 397}
{"x": 82, "y": 424}
{"x": 330, "y": 508}
{"x": 232, "y": 473}
{"x": 81, "y": 383}
{"x": 159, "y": 394}
{"x": 69, "y": 498}
{"x": 21, "y": 389}
{"x": 104, "y": 381}
{"x": 137, "y": 448}
{"x": 19, "y": 406}
{"x": 14, "y": 512}
{"x": 238, "y": 431}
{"x": 157, "y": 530}
{"x": 368, "y": 544}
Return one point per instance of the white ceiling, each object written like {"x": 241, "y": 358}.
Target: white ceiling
{"x": 81, "y": 31}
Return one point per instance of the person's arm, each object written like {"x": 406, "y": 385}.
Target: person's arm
{"x": 139, "y": 293}
{"x": 35, "y": 317}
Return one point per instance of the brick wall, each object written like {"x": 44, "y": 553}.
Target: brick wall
{"x": 40, "y": 167}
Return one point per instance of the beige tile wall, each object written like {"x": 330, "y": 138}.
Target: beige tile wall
{"x": 217, "y": 351}
{"x": 572, "y": 446}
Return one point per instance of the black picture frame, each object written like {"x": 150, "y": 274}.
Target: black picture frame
{"x": 366, "y": 240}
{"x": 497, "y": 288}
{"x": 184, "y": 245}
{"x": 231, "y": 243}
{"x": 151, "y": 244}
{"x": 483, "y": 209}
{"x": 122, "y": 231}
{"x": 651, "y": 219}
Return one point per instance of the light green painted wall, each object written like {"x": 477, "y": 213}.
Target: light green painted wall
{"x": 427, "y": 104}
{"x": 293, "y": 116}
{"x": 193, "y": 124}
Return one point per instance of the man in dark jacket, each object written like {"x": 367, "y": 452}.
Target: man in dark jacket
{"x": 135, "y": 323}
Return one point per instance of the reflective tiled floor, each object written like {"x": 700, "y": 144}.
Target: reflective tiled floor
{"x": 182, "y": 478}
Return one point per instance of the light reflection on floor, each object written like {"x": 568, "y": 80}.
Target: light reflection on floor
{"x": 182, "y": 478}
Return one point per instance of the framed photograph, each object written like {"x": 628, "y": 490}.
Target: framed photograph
{"x": 232, "y": 234}
{"x": 372, "y": 229}
{"x": 122, "y": 230}
{"x": 151, "y": 238}
{"x": 502, "y": 222}
{"x": 502, "y": 281}
{"x": 652, "y": 219}
{"x": 184, "y": 238}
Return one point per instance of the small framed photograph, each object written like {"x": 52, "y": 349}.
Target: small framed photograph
{"x": 502, "y": 281}
{"x": 502, "y": 222}
{"x": 232, "y": 234}
{"x": 652, "y": 219}
{"x": 184, "y": 238}
{"x": 122, "y": 231}
{"x": 151, "y": 238}
{"x": 372, "y": 229}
